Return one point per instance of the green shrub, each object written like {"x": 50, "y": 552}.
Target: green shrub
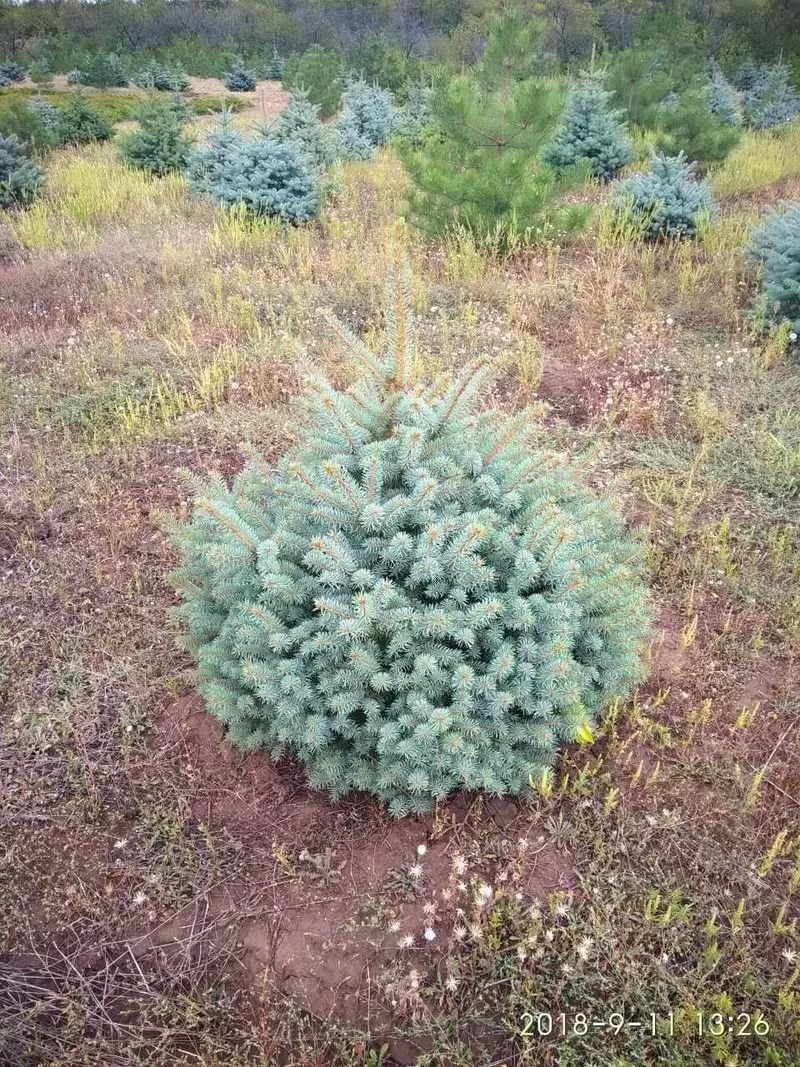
{"x": 159, "y": 145}
{"x": 267, "y": 177}
{"x": 480, "y": 171}
{"x": 162, "y": 77}
{"x": 41, "y": 73}
{"x": 299, "y": 124}
{"x": 80, "y": 123}
{"x": 20, "y": 178}
{"x": 668, "y": 201}
{"x": 103, "y": 70}
{"x": 318, "y": 71}
{"x": 419, "y": 601}
{"x": 365, "y": 121}
{"x": 18, "y": 118}
{"x": 590, "y": 131}
{"x": 776, "y": 245}
{"x": 688, "y": 125}
{"x": 239, "y": 80}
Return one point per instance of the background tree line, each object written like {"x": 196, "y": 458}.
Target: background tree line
{"x": 203, "y": 35}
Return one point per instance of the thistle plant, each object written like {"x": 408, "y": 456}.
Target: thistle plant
{"x": 419, "y": 599}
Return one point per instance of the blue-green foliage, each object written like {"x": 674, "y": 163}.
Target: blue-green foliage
{"x": 591, "y": 131}
{"x": 240, "y": 80}
{"x": 48, "y": 116}
{"x": 20, "y": 178}
{"x": 413, "y": 120}
{"x": 299, "y": 124}
{"x": 273, "y": 69}
{"x": 667, "y": 201}
{"x": 776, "y": 245}
{"x": 722, "y": 100}
{"x": 365, "y": 121}
{"x": 11, "y": 72}
{"x": 162, "y": 77}
{"x": 772, "y": 100}
{"x": 419, "y": 600}
{"x": 266, "y": 176}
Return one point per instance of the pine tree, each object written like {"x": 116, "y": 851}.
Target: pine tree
{"x": 668, "y": 201}
{"x": 81, "y": 123}
{"x": 162, "y": 78}
{"x": 366, "y": 119}
{"x": 299, "y": 124}
{"x": 481, "y": 169}
{"x": 690, "y": 126}
{"x": 239, "y": 79}
{"x": 10, "y": 73}
{"x": 776, "y": 246}
{"x": 213, "y": 169}
{"x": 772, "y": 100}
{"x": 159, "y": 145}
{"x": 590, "y": 131}
{"x": 722, "y": 100}
{"x": 20, "y": 178}
{"x": 413, "y": 120}
{"x": 319, "y": 72}
{"x": 274, "y": 67}
{"x": 101, "y": 71}
{"x": 419, "y": 600}
{"x": 267, "y": 177}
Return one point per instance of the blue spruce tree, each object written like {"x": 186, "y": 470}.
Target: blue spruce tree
{"x": 776, "y": 245}
{"x": 590, "y": 131}
{"x": 667, "y": 201}
{"x": 299, "y": 124}
{"x": 365, "y": 121}
{"x": 419, "y": 600}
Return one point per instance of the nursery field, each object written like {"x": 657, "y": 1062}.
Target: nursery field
{"x": 166, "y": 899}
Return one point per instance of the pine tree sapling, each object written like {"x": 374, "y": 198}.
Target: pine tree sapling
{"x": 20, "y": 178}
{"x": 11, "y": 72}
{"x": 264, "y": 175}
{"x": 481, "y": 171}
{"x": 692, "y": 128}
{"x": 590, "y": 130}
{"x": 419, "y": 600}
{"x": 240, "y": 80}
{"x": 274, "y": 66}
{"x": 80, "y": 123}
{"x": 412, "y": 121}
{"x": 776, "y": 245}
{"x": 299, "y": 124}
{"x": 159, "y": 145}
{"x": 367, "y": 113}
{"x": 667, "y": 201}
{"x": 318, "y": 71}
{"x": 162, "y": 78}
{"x": 722, "y": 100}
{"x": 772, "y": 100}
